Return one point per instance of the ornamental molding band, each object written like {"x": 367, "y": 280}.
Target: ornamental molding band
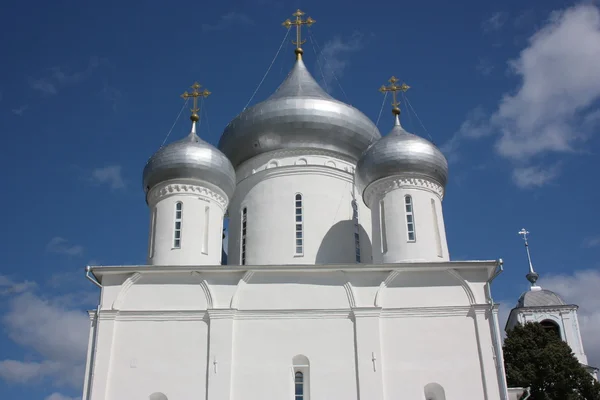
{"x": 382, "y": 186}
{"x": 170, "y": 189}
{"x": 295, "y": 157}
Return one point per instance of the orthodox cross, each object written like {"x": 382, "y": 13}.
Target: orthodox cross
{"x": 298, "y": 22}
{"x": 532, "y": 276}
{"x": 394, "y": 88}
{"x": 195, "y": 93}
{"x": 373, "y": 358}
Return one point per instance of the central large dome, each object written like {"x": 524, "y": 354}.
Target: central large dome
{"x": 299, "y": 115}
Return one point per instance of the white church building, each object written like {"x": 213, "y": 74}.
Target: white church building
{"x": 338, "y": 282}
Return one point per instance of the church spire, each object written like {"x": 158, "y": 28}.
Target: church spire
{"x": 298, "y": 22}
{"x": 194, "y": 94}
{"x": 394, "y": 89}
{"x": 532, "y": 276}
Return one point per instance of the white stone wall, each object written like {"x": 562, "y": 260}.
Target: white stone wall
{"x": 227, "y": 333}
{"x": 391, "y": 244}
{"x": 203, "y": 207}
{"x": 267, "y": 186}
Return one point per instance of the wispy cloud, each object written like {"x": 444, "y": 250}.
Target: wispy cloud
{"x": 228, "y": 20}
{"x": 112, "y": 94}
{"x": 484, "y": 67}
{"x": 8, "y": 286}
{"x": 495, "y": 22}
{"x": 333, "y": 58}
{"x": 19, "y": 111}
{"x": 109, "y": 175}
{"x": 58, "y": 77}
{"x": 593, "y": 241}
{"x": 54, "y": 333}
{"x": 59, "y": 396}
{"x": 535, "y": 176}
{"x": 537, "y": 119}
{"x": 61, "y": 245}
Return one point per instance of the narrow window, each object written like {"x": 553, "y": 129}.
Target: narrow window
{"x": 382, "y": 229}
{"x": 436, "y": 227}
{"x": 152, "y": 233}
{"x": 299, "y": 386}
{"x": 299, "y": 232}
{"x": 410, "y": 219}
{"x": 206, "y": 226}
{"x": 244, "y": 226}
{"x": 356, "y": 231}
{"x": 178, "y": 220}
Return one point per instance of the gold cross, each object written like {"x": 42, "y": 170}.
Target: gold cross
{"x": 394, "y": 88}
{"x": 298, "y": 22}
{"x": 195, "y": 94}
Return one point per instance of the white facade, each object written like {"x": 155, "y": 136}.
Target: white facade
{"x": 186, "y": 223}
{"x": 412, "y": 330}
{"x": 407, "y": 220}
{"x": 267, "y": 188}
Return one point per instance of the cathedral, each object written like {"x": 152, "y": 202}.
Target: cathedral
{"x": 338, "y": 282}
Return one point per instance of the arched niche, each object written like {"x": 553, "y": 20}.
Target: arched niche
{"x": 158, "y": 396}
{"x": 434, "y": 391}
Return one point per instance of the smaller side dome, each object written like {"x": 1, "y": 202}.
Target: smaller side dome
{"x": 400, "y": 152}
{"x": 190, "y": 158}
{"x": 540, "y": 298}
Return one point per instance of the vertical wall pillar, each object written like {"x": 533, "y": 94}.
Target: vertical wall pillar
{"x": 369, "y": 357}
{"x": 483, "y": 319}
{"x": 101, "y": 365}
{"x": 220, "y": 360}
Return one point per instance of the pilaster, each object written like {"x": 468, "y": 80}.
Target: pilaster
{"x": 483, "y": 319}
{"x": 104, "y": 347}
{"x": 369, "y": 357}
{"x": 220, "y": 359}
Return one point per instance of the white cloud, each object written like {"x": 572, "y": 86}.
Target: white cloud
{"x": 333, "y": 58}
{"x": 61, "y": 245}
{"x": 554, "y": 108}
{"x": 59, "y": 77}
{"x": 230, "y": 19}
{"x": 534, "y": 176}
{"x": 57, "y": 334}
{"x": 59, "y": 396}
{"x": 110, "y": 175}
{"x": 581, "y": 288}
{"x": 19, "y": 111}
{"x": 593, "y": 241}
{"x": 8, "y": 286}
{"x": 495, "y": 22}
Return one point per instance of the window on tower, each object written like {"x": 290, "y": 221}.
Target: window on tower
{"x": 244, "y": 230}
{"x": 299, "y": 386}
{"x": 356, "y": 231}
{"x": 299, "y": 231}
{"x": 551, "y": 326}
{"x": 178, "y": 221}
{"x": 410, "y": 218}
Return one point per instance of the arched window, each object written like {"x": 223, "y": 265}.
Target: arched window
{"x": 299, "y": 385}
{"x": 410, "y": 219}
{"x": 206, "y": 227}
{"x": 299, "y": 221}
{"x": 301, "y": 377}
{"x": 436, "y": 228}
{"x": 551, "y": 326}
{"x": 178, "y": 222}
{"x": 356, "y": 231}
{"x": 434, "y": 391}
{"x": 243, "y": 238}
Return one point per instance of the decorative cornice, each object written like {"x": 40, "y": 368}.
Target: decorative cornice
{"x": 170, "y": 189}
{"x": 290, "y": 158}
{"x": 379, "y": 188}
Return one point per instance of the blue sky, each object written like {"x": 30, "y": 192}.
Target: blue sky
{"x": 89, "y": 90}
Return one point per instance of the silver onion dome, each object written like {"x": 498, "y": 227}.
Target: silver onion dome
{"x": 190, "y": 158}
{"x": 401, "y": 152}
{"x": 299, "y": 115}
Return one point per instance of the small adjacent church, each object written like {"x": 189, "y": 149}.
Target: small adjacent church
{"x": 338, "y": 282}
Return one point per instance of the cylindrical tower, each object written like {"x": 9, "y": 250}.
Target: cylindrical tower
{"x": 402, "y": 178}
{"x": 294, "y": 156}
{"x": 188, "y": 185}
